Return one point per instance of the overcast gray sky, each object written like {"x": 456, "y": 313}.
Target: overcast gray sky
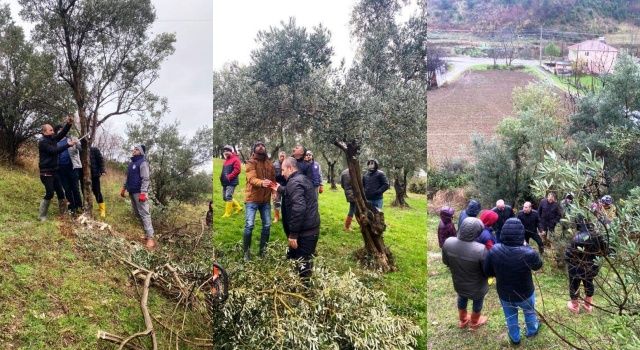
{"x": 236, "y": 23}
{"x": 185, "y": 77}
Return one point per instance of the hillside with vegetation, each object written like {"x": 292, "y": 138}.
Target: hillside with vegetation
{"x": 574, "y": 15}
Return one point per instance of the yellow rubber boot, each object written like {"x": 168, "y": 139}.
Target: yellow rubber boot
{"x": 103, "y": 210}
{"x": 228, "y": 206}
{"x": 237, "y": 205}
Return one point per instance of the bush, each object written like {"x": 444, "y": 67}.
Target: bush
{"x": 418, "y": 186}
{"x": 269, "y": 307}
{"x": 450, "y": 175}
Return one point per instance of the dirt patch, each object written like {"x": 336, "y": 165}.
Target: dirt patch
{"x": 474, "y": 104}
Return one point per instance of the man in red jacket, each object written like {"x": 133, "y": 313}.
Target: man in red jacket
{"x": 229, "y": 181}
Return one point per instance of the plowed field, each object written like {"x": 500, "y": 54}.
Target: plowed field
{"x": 473, "y": 104}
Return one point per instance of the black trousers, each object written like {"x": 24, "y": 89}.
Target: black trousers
{"x": 95, "y": 187}
{"x": 307, "y": 242}
{"x": 69, "y": 180}
{"x": 574, "y": 285}
{"x": 51, "y": 184}
{"x": 536, "y": 237}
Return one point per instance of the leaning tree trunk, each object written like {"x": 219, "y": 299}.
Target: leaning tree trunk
{"x": 400, "y": 186}
{"x": 371, "y": 220}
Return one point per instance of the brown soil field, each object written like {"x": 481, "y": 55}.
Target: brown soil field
{"x": 473, "y": 104}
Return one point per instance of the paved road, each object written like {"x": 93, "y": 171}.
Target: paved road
{"x": 460, "y": 64}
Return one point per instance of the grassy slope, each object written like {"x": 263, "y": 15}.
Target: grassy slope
{"x": 405, "y": 236}
{"x": 551, "y": 299}
{"x": 53, "y": 296}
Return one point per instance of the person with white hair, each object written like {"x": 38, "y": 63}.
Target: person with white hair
{"x": 504, "y": 212}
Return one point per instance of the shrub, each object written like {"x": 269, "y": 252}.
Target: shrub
{"x": 450, "y": 175}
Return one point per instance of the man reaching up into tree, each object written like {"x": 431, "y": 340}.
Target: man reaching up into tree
{"x": 137, "y": 184}
{"x": 300, "y": 217}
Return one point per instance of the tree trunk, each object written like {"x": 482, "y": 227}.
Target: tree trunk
{"x": 85, "y": 128}
{"x": 372, "y": 226}
{"x": 332, "y": 174}
{"x": 400, "y": 186}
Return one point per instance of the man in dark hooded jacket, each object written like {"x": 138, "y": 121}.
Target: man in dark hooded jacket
{"x": 375, "y": 183}
{"x": 465, "y": 257}
{"x": 511, "y": 262}
{"x": 473, "y": 209}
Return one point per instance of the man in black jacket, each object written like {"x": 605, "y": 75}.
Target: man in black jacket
{"x": 530, "y": 220}
{"x": 303, "y": 167}
{"x": 300, "y": 217}
{"x": 504, "y": 212}
{"x": 375, "y": 183}
{"x": 550, "y": 215}
{"x": 48, "y": 151}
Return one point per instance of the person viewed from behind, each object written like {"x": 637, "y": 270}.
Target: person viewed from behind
{"x": 48, "y": 151}
{"x": 277, "y": 197}
{"x": 375, "y": 183}
{"x": 549, "y": 212}
{"x": 472, "y": 210}
{"x": 465, "y": 257}
{"x": 97, "y": 170}
{"x": 229, "y": 180}
{"x": 257, "y": 195}
{"x": 531, "y": 220}
{"x": 316, "y": 172}
{"x": 138, "y": 184}
{"x": 446, "y": 228}
{"x": 304, "y": 168}
{"x": 582, "y": 266}
{"x": 300, "y": 216}
{"x": 345, "y": 182}
{"x": 504, "y": 212}
{"x": 74, "y": 154}
{"x": 67, "y": 162}
{"x": 511, "y": 262}
{"x": 487, "y": 237}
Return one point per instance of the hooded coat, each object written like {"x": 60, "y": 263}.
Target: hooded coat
{"x": 465, "y": 259}
{"x": 446, "y": 228}
{"x": 375, "y": 182}
{"x": 488, "y": 218}
{"x": 581, "y": 253}
{"x": 473, "y": 209}
{"x": 549, "y": 214}
{"x": 257, "y": 169}
{"x": 345, "y": 182}
{"x": 230, "y": 171}
{"x": 511, "y": 262}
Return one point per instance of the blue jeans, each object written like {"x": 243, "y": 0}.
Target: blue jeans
{"x": 352, "y": 209}
{"x": 376, "y": 203}
{"x": 227, "y": 193}
{"x": 477, "y": 304}
{"x": 249, "y": 219}
{"x": 510, "y": 309}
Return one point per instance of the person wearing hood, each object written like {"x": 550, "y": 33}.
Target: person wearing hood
{"x": 446, "y": 228}
{"x": 48, "y": 151}
{"x": 489, "y": 219}
{"x": 257, "y": 195}
{"x": 375, "y": 183}
{"x": 582, "y": 266}
{"x": 138, "y": 184}
{"x": 472, "y": 210}
{"x": 530, "y": 220}
{"x": 465, "y": 257}
{"x": 345, "y": 182}
{"x": 68, "y": 163}
{"x": 229, "y": 181}
{"x": 511, "y": 262}
{"x": 504, "y": 212}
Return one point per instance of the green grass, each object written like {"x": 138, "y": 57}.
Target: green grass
{"x": 405, "y": 236}
{"x": 551, "y": 299}
{"x": 53, "y": 296}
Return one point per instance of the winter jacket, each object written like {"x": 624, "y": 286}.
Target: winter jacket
{"x": 299, "y": 206}
{"x": 503, "y": 215}
{"x": 549, "y": 214}
{"x": 473, "y": 209}
{"x": 465, "y": 259}
{"x": 581, "y": 253}
{"x": 258, "y": 168}
{"x": 530, "y": 221}
{"x": 48, "y": 150}
{"x": 316, "y": 174}
{"x": 446, "y": 228}
{"x": 304, "y": 168}
{"x": 345, "y": 182}
{"x": 511, "y": 263}
{"x": 74, "y": 154}
{"x": 277, "y": 167}
{"x": 487, "y": 238}
{"x": 64, "y": 158}
{"x": 97, "y": 162}
{"x": 138, "y": 175}
{"x": 230, "y": 171}
{"x": 375, "y": 183}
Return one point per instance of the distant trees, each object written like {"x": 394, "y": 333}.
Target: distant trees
{"x": 552, "y": 50}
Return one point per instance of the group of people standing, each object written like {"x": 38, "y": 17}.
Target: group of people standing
{"x": 61, "y": 172}
{"x": 293, "y": 184}
{"x": 495, "y": 243}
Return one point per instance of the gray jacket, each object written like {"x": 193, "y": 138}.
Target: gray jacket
{"x": 345, "y": 182}
{"x": 74, "y": 154}
{"x": 465, "y": 259}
